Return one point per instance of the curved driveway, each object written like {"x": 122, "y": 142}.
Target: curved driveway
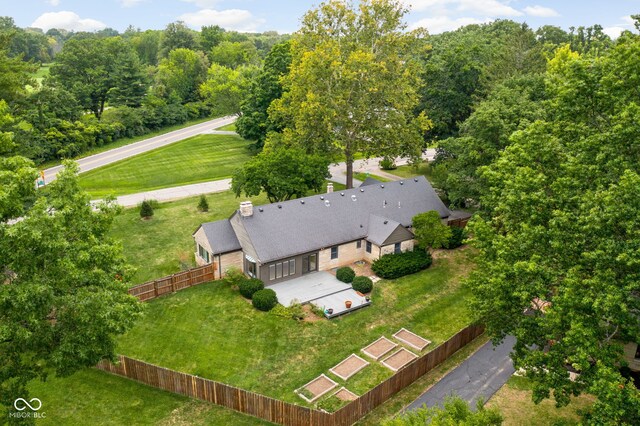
{"x": 102, "y": 159}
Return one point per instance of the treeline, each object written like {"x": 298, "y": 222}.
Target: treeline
{"x": 104, "y": 86}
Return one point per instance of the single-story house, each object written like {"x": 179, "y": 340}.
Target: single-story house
{"x": 280, "y": 241}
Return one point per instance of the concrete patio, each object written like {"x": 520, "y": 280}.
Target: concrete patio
{"x": 308, "y": 287}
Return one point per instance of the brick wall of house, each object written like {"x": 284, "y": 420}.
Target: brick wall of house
{"x": 347, "y": 254}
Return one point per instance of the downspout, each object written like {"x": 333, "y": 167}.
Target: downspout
{"x": 219, "y": 266}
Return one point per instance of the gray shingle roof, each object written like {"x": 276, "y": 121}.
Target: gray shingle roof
{"x": 298, "y": 226}
{"x": 380, "y": 229}
{"x": 221, "y": 236}
{"x": 370, "y": 181}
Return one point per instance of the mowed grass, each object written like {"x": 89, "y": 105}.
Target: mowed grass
{"x": 163, "y": 245}
{"x": 362, "y": 176}
{"x": 92, "y": 397}
{"x": 198, "y": 159}
{"x": 515, "y": 403}
{"x": 408, "y": 170}
{"x": 211, "y": 331}
{"x": 229, "y": 127}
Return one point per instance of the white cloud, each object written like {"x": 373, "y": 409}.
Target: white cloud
{"x": 443, "y": 23}
{"x": 53, "y": 2}
{"x": 614, "y": 32}
{"x": 205, "y": 4}
{"x": 131, "y": 3}
{"x": 541, "y": 12}
{"x": 628, "y": 20}
{"x": 231, "y": 19}
{"x": 481, "y": 7}
{"x": 66, "y": 20}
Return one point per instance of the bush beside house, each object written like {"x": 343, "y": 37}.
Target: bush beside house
{"x": 345, "y": 274}
{"x": 264, "y": 299}
{"x": 396, "y": 265}
{"x": 362, "y": 284}
{"x": 250, "y": 286}
{"x": 458, "y": 235}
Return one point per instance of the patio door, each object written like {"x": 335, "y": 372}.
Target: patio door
{"x": 310, "y": 263}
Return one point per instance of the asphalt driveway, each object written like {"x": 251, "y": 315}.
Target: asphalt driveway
{"x": 479, "y": 376}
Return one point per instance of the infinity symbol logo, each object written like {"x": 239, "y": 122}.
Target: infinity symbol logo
{"x": 26, "y": 404}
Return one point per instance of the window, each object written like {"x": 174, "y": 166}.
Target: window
{"x": 251, "y": 269}
{"x": 285, "y": 268}
{"x": 358, "y": 244}
{"x": 272, "y": 272}
{"x": 292, "y": 267}
{"x": 368, "y": 247}
{"x": 278, "y": 270}
{"x": 334, "y": 252}
{"x": 203, "y": 253}
{"x": 396, "y": 248}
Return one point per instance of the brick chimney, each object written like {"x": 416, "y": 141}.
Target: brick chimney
{"x": 329, "y": 187}
{"x": 246, "y": 209}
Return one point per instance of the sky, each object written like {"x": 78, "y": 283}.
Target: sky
{"x": 284, "y": 15}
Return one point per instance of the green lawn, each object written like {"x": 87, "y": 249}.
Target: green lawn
{"x": 362, "y": 176}
{"x": 409, "y": 171}
{"x": 163, "y": 245}
{"x": 198, "y": 159}
{"x": 127, "y": 141}
{"x": 515, "y": 403}
{"x": 212, "y": 332}
{"x": 92, "y": 397}
{"x": 229, "y": 127}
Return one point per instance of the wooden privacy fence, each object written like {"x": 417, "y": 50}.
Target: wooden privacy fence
{"x": 173, "y": 283}
{"x": 284, "y": 413}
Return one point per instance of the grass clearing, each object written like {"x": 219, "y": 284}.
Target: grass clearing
{"x": 197, "y": 159}
{"x": 127, "y": 141}
{"x": 93, "y": 397}
{"x": 362, "y": 176}
{"x": 229, "y": 127}
{"x": 515, "y": 403}
{"x": 408, "y": 170}
{"x": 212, "y": 332}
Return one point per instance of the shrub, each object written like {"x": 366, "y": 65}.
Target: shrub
{"x": 146, "y": 210}
{"x": 387, "y": 163}
{"x": 362, "y": 284}
{"x": 458, "y": 235}
{"x": 398, "y": 265}
{"x": 265, "y": 299}
{"x": 345, "y": 274}
{"x": 248, "y": 287}
{"x": 203, "y": 205}
{"x": 294, "y": 311}
{"x": 234, "y": 276}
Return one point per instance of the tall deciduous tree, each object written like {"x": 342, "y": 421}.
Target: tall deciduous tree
{"x": 352, "y": 85}
{"x": 63, "y": 297}
{"x": 254, "y": 122}
{"x": 225, "y": 88}
{"x": 182, "y": 73}
{"x": 177, "y": 36}
{"x": 97, "y": 70}
{"x": 429, "y": 230}
{"x": 282, "y": 173}
{"x": 559, "y": 263}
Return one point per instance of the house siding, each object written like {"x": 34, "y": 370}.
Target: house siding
{"x": 400, "y": 234}
{"x": 263, "y": 270}
{"x": 227, "y": 261}
{"x": 201, "y": 239}
{"x": 404, "y": 246}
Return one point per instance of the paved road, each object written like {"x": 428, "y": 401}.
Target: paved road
{"x": 479, "y": 376}
{"x": 117, "y": 154}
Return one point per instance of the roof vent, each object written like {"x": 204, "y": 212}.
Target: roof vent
{"x": 279, "y": 206}
{"x": 386, "y": 221}
{"x": 415, "y": 179}
{"x": 361, "y": 190}
{"x": 361, "y": 226}
{"x": 384, "y": 204}
{"x": 260, "y": 209}
{"x": 399, "y": 204}
{"x": 342, "y": 194}
{"x": 301, "y": 201}
{"x": 401, "y": 182}
{"x": 353, "y": 197}
{"x": 382, "y": 186}
{"x": 327, "y": 203}
{"x": 322, "y": 197}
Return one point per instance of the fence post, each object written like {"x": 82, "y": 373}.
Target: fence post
{"x": 155, "y": 289}
{"x": 173, "y": 283}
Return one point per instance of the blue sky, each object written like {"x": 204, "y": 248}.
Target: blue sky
{"x": 284, "y": 15}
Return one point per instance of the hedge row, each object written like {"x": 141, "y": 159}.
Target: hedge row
{"x": 396, "y": 265}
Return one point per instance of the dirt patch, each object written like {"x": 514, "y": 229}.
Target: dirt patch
{"x": 399, "y": 359}
{"x": 411, "y": 339}
{"x": 316, "y": 388}
{"x": 345, "y": 395}
{"x": 310, "y": 315}
{"x": 350, "y": 366}
{"x": 186, "y": 414}
{"x": 379, "y": 348}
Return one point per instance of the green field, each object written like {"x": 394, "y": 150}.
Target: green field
{"x": 362, "y": 176}
{"x": 212, "y": 332}
{"x": 229, "y": 127}
{"x": 92, "y": 397}
{"x": 407, "y": 170}
{"x": 198, "y": 159}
